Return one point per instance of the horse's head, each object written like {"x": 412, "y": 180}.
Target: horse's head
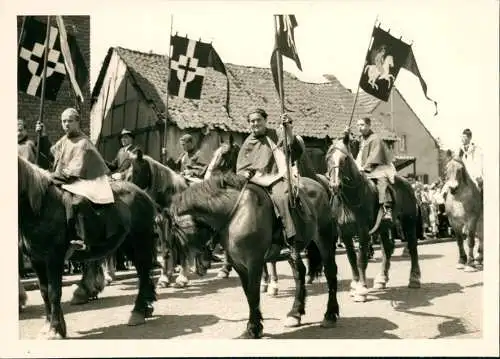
{"x": 456, "y": 174}
{"x": 139, "y": 171}
{"x": 338, "y": 164}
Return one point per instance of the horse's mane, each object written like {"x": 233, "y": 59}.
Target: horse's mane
{"x": 163, "y": 179}
{"x": 209, "y": 196}
{"x": 33, "y": 182}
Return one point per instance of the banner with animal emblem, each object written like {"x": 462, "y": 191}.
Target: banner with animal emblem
{"x": 30, "y": 62}
{"x": 384, "y": 59}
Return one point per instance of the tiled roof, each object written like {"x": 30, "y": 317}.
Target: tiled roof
{"x": 317, "y": 110}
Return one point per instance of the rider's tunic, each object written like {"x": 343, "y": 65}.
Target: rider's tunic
{"x": 256, "y": 154}
{"x": 375, "y": 159}
{"x": 81, "y": 169}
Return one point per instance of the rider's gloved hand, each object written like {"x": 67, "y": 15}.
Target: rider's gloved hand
{"x": 248, "y": 174}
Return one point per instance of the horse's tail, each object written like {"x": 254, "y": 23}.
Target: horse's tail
{"x": 314, "y": 260}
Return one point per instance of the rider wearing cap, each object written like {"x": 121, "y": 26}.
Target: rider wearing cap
{"x": 122, "y": 159}
{"x": 472, "y": 156}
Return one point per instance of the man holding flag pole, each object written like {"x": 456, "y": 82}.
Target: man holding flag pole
{"x": 261, "y": 159}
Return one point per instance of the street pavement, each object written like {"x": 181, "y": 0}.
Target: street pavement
{"x": 448, "y": 305}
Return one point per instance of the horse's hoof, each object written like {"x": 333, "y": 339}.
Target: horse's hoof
{"x": 222, "y": 274}
{"x": 77, "y": 300}
{"x": 309, "y": 279}
{"x": 263, "y": 288}
{"x": 136, "y": 318}
{"x": 248, "y": 335}
{"x": 148, "y": 312}
{"x": 362, "y": 290}
{"x": 469, "y": 269}
{"x": 53, "y": 335}
{"x": 328, "y": 323}
{"x": 162, "y": 284}
{"x": 460, "y": 266}
{"x": 379, "y": 285}
{"x": 272, "y": 289}
{"x": 415, "y": 284}
{"x": 292, "y": 322}
{"x": 359, "y": 298}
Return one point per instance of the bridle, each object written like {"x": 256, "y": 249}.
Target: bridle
{"x": 344, "y": 181}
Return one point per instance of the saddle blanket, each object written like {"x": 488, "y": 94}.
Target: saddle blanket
{"x": 97, "y": 190}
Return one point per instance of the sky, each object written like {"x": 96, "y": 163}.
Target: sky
{"x": 455, "y": 45}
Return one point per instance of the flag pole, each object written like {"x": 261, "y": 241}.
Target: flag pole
{"x": 44, "y": 77}
{"x": 164, "y": 147}
{"x": 279, "y": 61}
{"x": 361, "y": 75}
{"x": 21, "y": 35}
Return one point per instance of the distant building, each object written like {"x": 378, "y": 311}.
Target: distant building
{"x": 28, "y": 107}
{"x": 131, "y": 92}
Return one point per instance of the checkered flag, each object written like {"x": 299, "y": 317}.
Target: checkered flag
{"x": 31, "y": 60}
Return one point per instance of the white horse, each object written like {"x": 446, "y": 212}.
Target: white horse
{"x": 380, "y": 72}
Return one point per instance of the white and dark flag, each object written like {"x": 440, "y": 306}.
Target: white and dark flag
{"x": 188, "y": 65}
{"x": 31, "y": 60}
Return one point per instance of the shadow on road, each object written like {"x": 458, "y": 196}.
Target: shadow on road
{"x": 347, "y": 328}
{"x": 421, "y": 257}
{"x": 404, "y": 298}
{"x": 158, "y": 327}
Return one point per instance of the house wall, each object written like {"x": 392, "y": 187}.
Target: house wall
{"x": 28, "y": 107}
{"x": 413, "y": 138}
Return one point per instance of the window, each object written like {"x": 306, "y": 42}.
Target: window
{"x": 402, "y": 144}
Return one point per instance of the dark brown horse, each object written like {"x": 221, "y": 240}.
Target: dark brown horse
{"x": 43, "y": 224}
{"x": 464, "y": 208}
{"x": 244, "y": 216}
{"x": 357, "y": 213}
{"x": 161, "y": 183}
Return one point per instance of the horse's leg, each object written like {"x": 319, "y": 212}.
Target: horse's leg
{"x": 55, "y": 269}
{"x": 361, "y": 289}
{"x": 409, "y": 227}
{"x": 352, "y": 257}
{"x": 327, "y": 252}
{"x": 299, "y": 276}
{"x": 41, "y": 273}
{"x": 109, "y": 267}
{"x": 90, "y": 285}
{"x": 23, "y": 297}
{"x": 265, "y": 279}
{"x": 250, "y": 278}
{"x": 387, "y": 242}
{"x": 141, "y": 253}
{"x": 182, "y": 279}
{"x": 273, "y": 279}
{"x": 462, "y": 256}
{"x": 471, "y": 241}
{"x": 166, "y": 270}
{"x": 226, "y": 267}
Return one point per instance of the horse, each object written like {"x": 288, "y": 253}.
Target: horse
{"x": 356, "y": 208}
{"x": 243, "y": 215}
{"x": 375, "y": 73}
{"x": 464, "y": 208}
{"x": 43, "y": 225}
{"x": 161, "y": 183}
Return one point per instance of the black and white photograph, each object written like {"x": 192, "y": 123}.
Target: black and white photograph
{"x": 250, "y": 170}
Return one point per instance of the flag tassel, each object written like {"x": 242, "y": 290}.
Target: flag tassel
{"x": 279, "y": 62}
{"x": 44, "y": 77}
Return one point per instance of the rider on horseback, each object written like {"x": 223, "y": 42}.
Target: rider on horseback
{"x": 472, "y": 157}
{"x": 374, "y": 160}
{"x": 79, "y": 169}
{"x": 262, "y": 161}
{"x": 189, "y": 163}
